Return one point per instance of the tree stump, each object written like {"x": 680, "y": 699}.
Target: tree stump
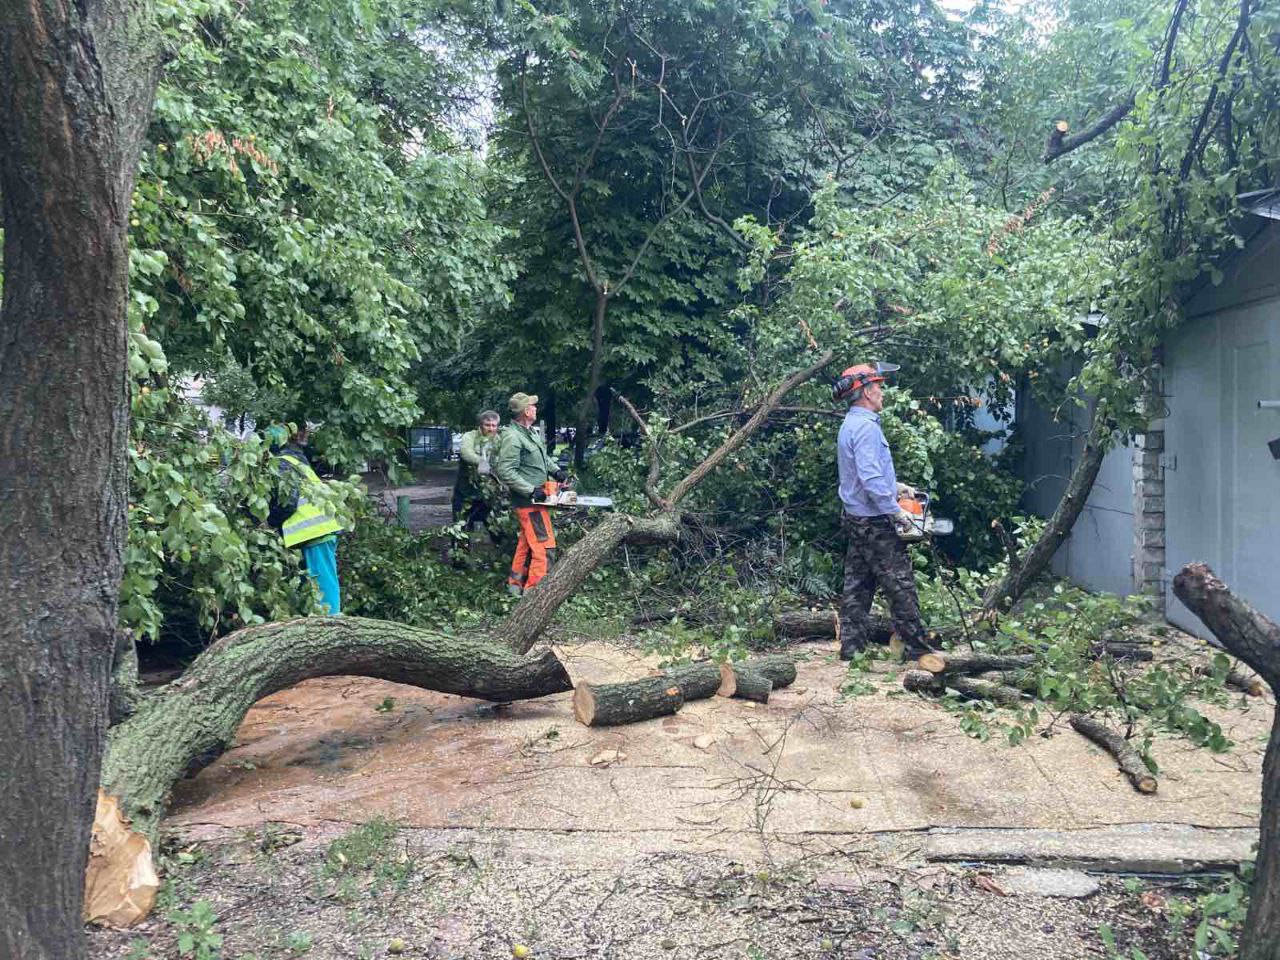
{"x": 613, "y": 704}
{"x": 1114, "y": 743}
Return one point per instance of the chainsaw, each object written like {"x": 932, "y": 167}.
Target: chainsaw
{"x": 559, "y": 495}
{"x": 922, "y": 523}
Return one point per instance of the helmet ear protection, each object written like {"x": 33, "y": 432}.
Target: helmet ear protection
{"x": 855, "y": 380}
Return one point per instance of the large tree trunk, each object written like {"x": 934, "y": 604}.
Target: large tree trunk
{"x": 189, "y": 723}
{"x": 1255, "y": 639}
{"x": 76, "y": 85}
{"x": 1023, "y": 572}
{"x": 538, "y": 606}
{"x": 589, "y": 406}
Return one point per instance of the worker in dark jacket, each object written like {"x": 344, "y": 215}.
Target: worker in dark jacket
{"x": 305, "y": 524}
{"x": 524, "y": 466}
{"x": 869, "y": 492}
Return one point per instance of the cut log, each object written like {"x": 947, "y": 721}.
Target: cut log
{"x": 1249, "y": 684}
{"x": 950, "y": 664}
{"x": 779, "y": 668}
{"x": 613, "y": 704}
{"x": 696, "y": 681}
{"x": 973, "y": 688}
{"x": 738, "y": 680}
{"x": 800, "y": 625}
{"x": 1123, "y": 650}
{"x": 994, "y": 690}
{"x": 922, "y": 681}
{"x": 1252, "y": 685}
{"x": 1114, "y": 743}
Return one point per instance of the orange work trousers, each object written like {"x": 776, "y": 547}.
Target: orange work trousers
{"x": 530, "y": 563}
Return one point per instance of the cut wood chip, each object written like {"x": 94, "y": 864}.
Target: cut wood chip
{"x": 704, "y": 741}
{"x": 983, "y": 882}
{"x": 607, "y": 758}
{"x": 120, "y": 881}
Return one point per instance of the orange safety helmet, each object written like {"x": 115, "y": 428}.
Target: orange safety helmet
{"x": 857, "y": 378}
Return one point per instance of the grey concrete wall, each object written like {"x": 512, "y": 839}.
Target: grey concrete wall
{"x": 1098, "y": 554}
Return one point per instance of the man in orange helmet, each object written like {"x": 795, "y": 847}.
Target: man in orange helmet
{"x": 869, "y": 492}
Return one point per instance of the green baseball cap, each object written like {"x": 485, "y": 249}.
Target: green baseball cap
{"x": 519, "y": 401}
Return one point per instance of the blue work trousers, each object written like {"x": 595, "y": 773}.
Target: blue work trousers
{"x": 321, "y": 557}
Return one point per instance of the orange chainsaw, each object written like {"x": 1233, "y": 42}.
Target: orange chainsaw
{"x": 919, "y": 521}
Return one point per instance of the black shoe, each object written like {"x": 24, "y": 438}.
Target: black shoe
{"x": 848, "y": 653}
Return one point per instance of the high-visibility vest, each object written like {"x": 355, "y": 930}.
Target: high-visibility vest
{"x": 308, "y": 522}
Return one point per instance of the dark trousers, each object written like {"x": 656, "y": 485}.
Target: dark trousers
{"x": 474, "y": 510}
{"x": 876, "y": 557}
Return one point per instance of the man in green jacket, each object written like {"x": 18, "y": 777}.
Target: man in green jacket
{"x": 524, "y": 466}
{"x": 473, "y": 491}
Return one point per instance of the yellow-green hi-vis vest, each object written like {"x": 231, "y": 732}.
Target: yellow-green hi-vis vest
{"x": 308, "y": 522}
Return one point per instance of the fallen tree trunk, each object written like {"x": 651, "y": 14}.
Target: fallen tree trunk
{"x": 188, "y": 724}
{"x": 736, "y": 680}
{"x": 1255, "y": 639}
{"x": 1114, "y": 743}
{"x": 1005, "y": 592}
{"x": 536, "y": 609}
{"x": 613, "y": 704}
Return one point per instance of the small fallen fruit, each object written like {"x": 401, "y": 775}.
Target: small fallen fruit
{"x": 520, "y": 950}
{"x": 857, "y": 803}
{"x": 668, "y": 944}
{"x": 395, "y": 946}
{"x": 827, "y": 944}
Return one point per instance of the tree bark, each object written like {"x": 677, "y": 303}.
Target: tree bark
{"x": 949, "y": 664}
{"x": 736, "y": 680}
{"x": 613, "y": 704}
{"x": 1255, "y": 639}
{"x": 778, "y": 668}
{"x": 697, "y": 681}
{"x": 587, "y": 408}
{"x": 1114, "y": 743}
{"x": 76, "y": 88}
{"x": 1006, "y": 591}
{"x": 189, "y": 723}
{"x": 538, "y": 606}
{"x": 974, "y": 688}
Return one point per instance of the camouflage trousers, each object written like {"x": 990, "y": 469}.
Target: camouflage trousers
{"x": 875, "y": 556}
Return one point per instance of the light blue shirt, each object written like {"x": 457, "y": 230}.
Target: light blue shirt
{"x": 868, "y": 484}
